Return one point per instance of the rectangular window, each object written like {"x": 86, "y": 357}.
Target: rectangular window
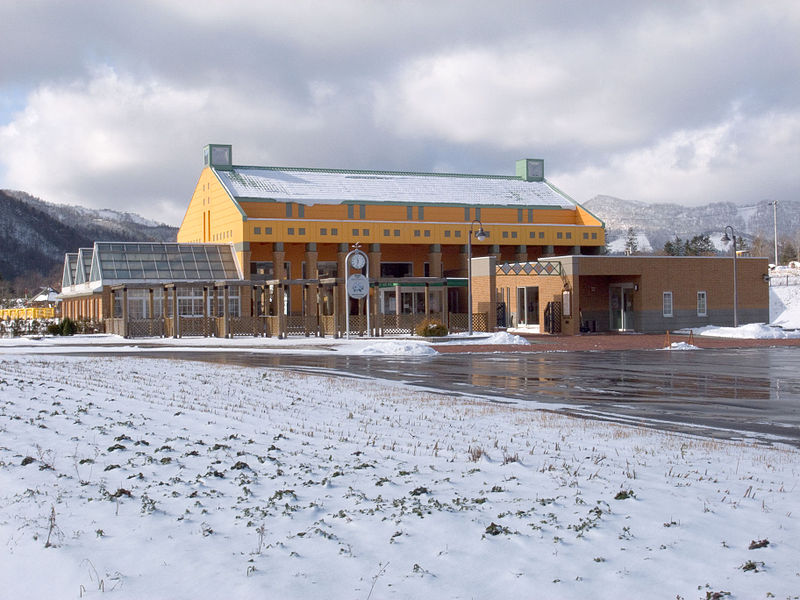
{"x": 458, "y": 233}
{"x": 362, "y": 211}
{"x": 416, "y": 233}
{"x": 667, "y": 304}
{"x": 334, "y": 231}
{"x": 519, "y": 215}
{"x": 409, "y": 213}
{"x": 355, "y": 231}
{"x": 514, "y": 234}
{"x": 532, "y": 234}
{"x": 530, "y": 215}
{"x": 559, "y": 235}
{"x": 268, "y": 230}
{"x": 301, "y": 210}
{"x": 446, "y": 233}
{"x": 288, "y": 209}
{"x": 323, "y": 231}
{"x": 505, "y": 234}
{"x": 702, "y": 304}
{"x": 569, "y": 235}
{"x": 257, "y": 230}
{"x": 427, "y": 233}
{"x": 466, "y": 213}
{"x": 396, "y": 233}
{"x": 585, "y": 236}
{"x": 478, "y": 213}
{"x": 541, "y": 235}
{"x": 290, "y": 231}
{"x": 301, "y": 231}
{"x": 386, "y": 233}
{"x": 365, "y": 231}
{"x": 594, "y": 235}
{"x": 350, "y": 211}
{"x": 421, "y": 213}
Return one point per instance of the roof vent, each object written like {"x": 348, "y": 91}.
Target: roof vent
{"x": 219, "y": 156}
{"x": 530, "y": 169}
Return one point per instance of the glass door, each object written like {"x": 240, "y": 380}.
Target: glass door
{"x": 620, "y": 307}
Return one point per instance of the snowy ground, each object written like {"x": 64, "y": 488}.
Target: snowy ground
{"x": 139, "y": 478}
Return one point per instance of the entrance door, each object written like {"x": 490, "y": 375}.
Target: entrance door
{"x": 528, "y": 306}
{"x": 621, "y": 307}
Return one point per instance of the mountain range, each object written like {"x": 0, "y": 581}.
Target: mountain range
{"x": 35, "y": 235}
{"x": 655, "y": 224}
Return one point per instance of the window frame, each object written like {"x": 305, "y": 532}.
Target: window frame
{"x": 665, "y": 312}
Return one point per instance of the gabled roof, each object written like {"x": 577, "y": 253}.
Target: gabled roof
{"x": 83, "y": 265}
{"x": 156, "y": 262}
{"x": 70, "y": 263}
{"x": 322, "y": 186}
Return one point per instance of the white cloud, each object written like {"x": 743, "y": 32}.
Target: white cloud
{"x": 741, "y": 159}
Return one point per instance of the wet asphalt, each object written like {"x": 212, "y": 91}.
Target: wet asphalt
{"x": 751, "y": 393}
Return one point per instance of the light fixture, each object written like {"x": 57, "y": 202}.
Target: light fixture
{"x": 727, "y": 239}
{"x": 480, "y": 235}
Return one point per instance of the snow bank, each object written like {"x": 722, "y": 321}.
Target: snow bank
{"x": 399, "y": 348}
{"x": 784, "y": 306}
{"x": 681, "y": 346}
{"x": 751, "y": 331}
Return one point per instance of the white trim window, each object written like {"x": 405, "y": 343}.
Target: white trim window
{"x": 702, "y": 304}
{"x": 667, "y": 304}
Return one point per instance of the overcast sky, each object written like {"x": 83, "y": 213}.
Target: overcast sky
{"x": 109, "y": 104}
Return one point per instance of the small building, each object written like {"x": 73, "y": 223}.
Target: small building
{"x": 647, "y": 294}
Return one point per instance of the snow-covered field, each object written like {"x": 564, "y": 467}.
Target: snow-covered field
{"x": 134, "y": 478}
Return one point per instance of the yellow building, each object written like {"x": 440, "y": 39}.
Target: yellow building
{"x": 297, "y": 225}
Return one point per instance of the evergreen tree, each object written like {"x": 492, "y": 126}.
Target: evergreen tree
{"x": 674, "y": 247}
{"x": 632, "y": 242}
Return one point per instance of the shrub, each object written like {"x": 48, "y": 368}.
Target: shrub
{"x": 67, "y": 326}
{"x": 54, "y": 328}
{"x": 430, "y": 328}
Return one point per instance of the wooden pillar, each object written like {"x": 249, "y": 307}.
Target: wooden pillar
{"x": 435, "y": 260}
{"x": 206, "y": 325}
{"x": 226, "y": 312}
{"x": 175, "y": 316}
{"x": 124, "y": 312}
{"x": 151, "y": 307}
{"x": 164, "y": 308}
{"x": 340, "y": 291}
{"x": 427, "y": 301}
{"x": 445, "y": 307}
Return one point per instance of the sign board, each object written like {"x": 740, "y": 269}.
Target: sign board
{"x": 357, "y": 286}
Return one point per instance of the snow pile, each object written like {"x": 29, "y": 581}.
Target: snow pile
{"x": 752, "y": 331}
{"x": 681, "y": 346}
{"x": 784, "y": 306}
{"x": 399, "y": 348}
{"x": 169, "y": 479}
{"x": 501, "y": 338}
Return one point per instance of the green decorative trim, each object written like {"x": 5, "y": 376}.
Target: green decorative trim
{"x": 571, "y": 199}
{"x": 230, "y": 195}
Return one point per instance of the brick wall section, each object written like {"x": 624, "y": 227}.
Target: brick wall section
{"x": 590, "y": 278}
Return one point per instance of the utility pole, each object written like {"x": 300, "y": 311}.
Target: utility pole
{"x": 775, "y": 227}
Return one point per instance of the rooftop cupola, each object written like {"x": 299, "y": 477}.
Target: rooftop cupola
{"x": 219, "y": 156}
{"x": 530, "y": 169}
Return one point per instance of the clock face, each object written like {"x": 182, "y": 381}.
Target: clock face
{"x": 357, "y": 261}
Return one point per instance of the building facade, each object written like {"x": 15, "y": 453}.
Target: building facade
{"x": 574, "y": 294}
{"x": 297, "y": 225}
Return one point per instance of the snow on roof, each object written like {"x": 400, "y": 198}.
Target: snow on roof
{"x": 319, "y": 186}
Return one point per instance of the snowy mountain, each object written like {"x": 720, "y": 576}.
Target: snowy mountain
{"x": 35, "y": 235}
{"x": 655, "y": 224}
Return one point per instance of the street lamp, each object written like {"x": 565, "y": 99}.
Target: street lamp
{"x": 480, "y": 235}
{"x": 726, "y": 239}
